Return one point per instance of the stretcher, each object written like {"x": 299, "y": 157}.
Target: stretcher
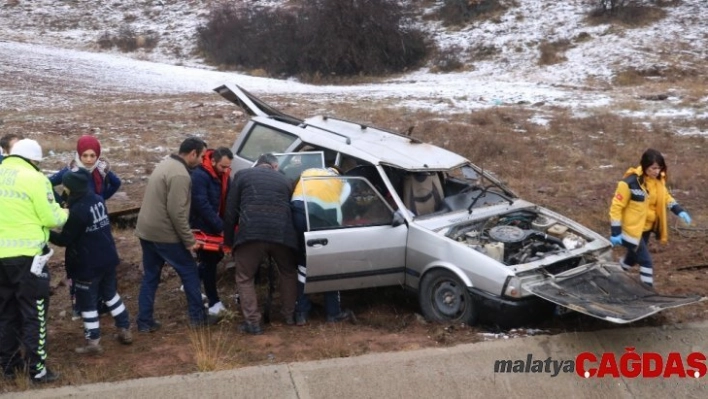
{"x": 210, "y": 242}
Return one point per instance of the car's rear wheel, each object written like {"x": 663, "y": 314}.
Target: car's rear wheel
{"x": 444, "y": 298}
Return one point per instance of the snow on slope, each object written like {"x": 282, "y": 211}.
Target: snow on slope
{"x": 516, "y": 35}
{"x": 58, "y": 38}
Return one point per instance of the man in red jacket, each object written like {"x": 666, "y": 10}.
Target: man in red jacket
{"x": 210, "y": 185}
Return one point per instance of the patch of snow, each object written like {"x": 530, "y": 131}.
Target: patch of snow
{"x": 57, "y": 40}
{"x": 514, "y": 333}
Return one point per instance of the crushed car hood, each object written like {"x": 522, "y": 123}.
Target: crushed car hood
{"x": 606, "y": 292}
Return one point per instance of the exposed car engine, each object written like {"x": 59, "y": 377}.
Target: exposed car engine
{"x": 517, "y": 238}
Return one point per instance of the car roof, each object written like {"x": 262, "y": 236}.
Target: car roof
{"x": 371, "y": 144}
{"x": 376, "y": 145}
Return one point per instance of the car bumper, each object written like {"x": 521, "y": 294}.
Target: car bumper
{"x": 509, "y": 313}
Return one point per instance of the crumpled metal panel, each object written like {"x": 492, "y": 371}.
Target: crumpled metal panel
{"x": 609, "y": 293}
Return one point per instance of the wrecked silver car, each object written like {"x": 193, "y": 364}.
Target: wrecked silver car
{"x": 427, "y": 219}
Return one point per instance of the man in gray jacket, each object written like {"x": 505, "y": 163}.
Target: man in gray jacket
{"x": 165, "y": 235}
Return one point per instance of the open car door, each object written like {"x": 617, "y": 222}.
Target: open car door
{"x": 607, "y": 292}
{"x": 357, "y": 244}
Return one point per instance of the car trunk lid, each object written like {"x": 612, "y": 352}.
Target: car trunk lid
{"x": 251, "y": 104}
{"x": 606, "y": 292}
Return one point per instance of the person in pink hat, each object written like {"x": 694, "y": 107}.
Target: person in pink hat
{"x": 103, "y": 182}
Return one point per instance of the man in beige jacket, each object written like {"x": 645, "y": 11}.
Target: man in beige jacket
{"x": 165, "y": 235}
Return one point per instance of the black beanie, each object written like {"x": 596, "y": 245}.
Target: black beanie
{"x": 76, "y": 182}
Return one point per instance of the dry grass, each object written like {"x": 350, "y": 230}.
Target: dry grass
{"x": 458, "y": 13}
{"x": 552, "y": 52}
{"x": 672, "y": 74}
{"x": 447, "y": 59}
{"x": 213, "y": 350}
{"x": 571, "y": 165}
{"x": 630, "y": 16}
{"x": 483, "y": 52}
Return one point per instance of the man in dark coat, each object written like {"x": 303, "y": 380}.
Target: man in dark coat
{"x": 91, "y": 259}
{"x": 210, "y": 186}
{"x": 259, "y": 203}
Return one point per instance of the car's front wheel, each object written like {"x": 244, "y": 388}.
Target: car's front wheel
{"x": 444, "y": 298}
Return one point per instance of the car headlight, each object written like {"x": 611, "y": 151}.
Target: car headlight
{"x": 512, "y": 287}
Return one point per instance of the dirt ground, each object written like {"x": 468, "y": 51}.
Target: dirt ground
{"x": 139, "y": 131}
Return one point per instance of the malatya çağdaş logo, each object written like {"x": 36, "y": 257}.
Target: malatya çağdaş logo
{"x": 630, "y": 364}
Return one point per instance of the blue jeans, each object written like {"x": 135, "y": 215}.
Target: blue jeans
{"x": 640, "y": 255}
{"x": 304, "y": 305}
{"x": 87, "y": 294}
{"x": 155, "y": 255}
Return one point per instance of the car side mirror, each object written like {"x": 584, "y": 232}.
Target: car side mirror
{"x": 398, "y": 219}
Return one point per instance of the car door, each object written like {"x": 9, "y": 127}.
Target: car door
{"x": 355, "y": 244}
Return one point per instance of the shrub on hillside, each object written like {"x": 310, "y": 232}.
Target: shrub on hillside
{"x": 460, "y": 12}
{"x": 447, "y": 59}
{"x": 128, "y": 39}
{"x": 319, "y": 38}
{"x": 631, "y": 13}
{"x": 250, "y": 39}
{"x": 553, "y": 52}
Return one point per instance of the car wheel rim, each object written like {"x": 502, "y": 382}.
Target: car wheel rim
{"x": 447, "y": 299}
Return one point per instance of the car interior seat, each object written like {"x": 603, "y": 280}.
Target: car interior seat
{"x": 422, "y": 192}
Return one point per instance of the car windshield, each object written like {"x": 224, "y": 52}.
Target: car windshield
{"x": 469, "y": 188}
{"x": 462, "y": 188}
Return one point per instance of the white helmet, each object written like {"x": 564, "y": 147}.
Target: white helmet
{"x": 27, "y": 148}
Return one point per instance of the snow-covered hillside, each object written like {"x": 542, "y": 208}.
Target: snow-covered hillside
{"x": 58, "y": 38}
{"x": 677, "y": 40}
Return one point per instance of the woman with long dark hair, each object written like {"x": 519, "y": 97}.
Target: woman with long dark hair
{"x": 639, "y": 207}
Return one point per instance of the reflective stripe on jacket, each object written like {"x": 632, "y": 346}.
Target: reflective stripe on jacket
{"x": 28, "y": 208}
{"x": 640, "y": 204}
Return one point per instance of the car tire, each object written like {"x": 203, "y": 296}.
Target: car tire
{"x": 445, "y": 299}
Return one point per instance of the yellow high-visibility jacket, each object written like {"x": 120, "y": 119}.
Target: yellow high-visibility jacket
{"x": 327, "y": 193}
{"x": 640, "y": 204}
{"x": 27, "y": 208}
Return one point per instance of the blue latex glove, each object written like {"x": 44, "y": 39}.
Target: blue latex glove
{"x": 616, "y": 240}
{"x": 684, "y": 215}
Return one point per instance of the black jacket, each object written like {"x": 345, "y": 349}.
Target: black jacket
{"x": 90, "y": 249}
{"x": 259, "y": 204}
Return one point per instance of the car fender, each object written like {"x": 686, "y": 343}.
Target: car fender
{"x": 446, "y": 266}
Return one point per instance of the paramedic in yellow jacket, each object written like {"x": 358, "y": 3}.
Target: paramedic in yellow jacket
{"x": 639, "y": 208}
{"x": 324, "y": 209}
{"x": 28, "y": 212}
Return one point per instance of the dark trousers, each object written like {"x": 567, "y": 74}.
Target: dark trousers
{"x": 100, "y": 304}
{"x": 24, "y": 302}
{"x": 248, "y": 259}
{"x": 87, "y": 293}
{"x": 155, "y": 255}
{"x": 639, "y": 254}
{"x": 208, "y": 260}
